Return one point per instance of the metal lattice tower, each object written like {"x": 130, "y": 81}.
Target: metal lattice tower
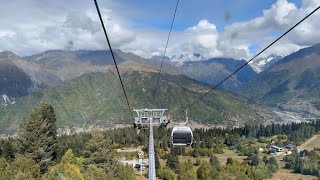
{"x": 152, "y": 166}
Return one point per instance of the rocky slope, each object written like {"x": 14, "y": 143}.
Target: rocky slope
{"x": 14, "y": 82}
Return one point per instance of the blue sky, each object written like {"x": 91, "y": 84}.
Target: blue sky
{"x": 158, "y": 14}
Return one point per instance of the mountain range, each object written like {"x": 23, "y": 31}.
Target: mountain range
{"x": 97, "y": 99}
{"x": 214, "y": 70}
{"x": 55, "y": 67}
{"x": 84, "y": 90}
{"x": 210, "y": 71}
{"x": 291, "y": 84}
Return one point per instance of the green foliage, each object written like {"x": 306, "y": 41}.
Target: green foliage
{"x": 260, "y": 172}
{"x": 3, "y": 165}
{"x": 38, "y": 136}
{"x": 173, "y": 162}
{"x": 96, "y": 173}
{"x": 8, "y": 150}
{"x": 215, "y": 163}
{"x": 21, "y": 168}
{"x": 166, "y": 174}
{"x": 253, "y": 160}
{"x": 229, "y": 161}
{"x": 272, "y": 165}
{"x": 198, "y": 161}
{"x": 96, "y": 99}
{"x": 100, "y": 159}
{"x": 305, "y": 162}
{"x": 100, "y": 153}
{"x": 98, "y": 142}
{"x": 69, "y": 167}
{"x": 124, "y": 172}
{"x": 186, "y": 171}
{"x": 206, "y": 172}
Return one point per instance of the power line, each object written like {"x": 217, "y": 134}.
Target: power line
{"x": 190, "y": 105}
{"x": 114, "y": 60}
{"x": 165, "y": 49}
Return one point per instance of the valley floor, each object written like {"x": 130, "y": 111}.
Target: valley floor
{"x": 310, "y": 144}
{"x": 281, "y": 174}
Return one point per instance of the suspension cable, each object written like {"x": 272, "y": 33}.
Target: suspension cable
{"x": 165, "y": 49}
{"x": 201, "y": 97}
{"x": 114, "y": 60}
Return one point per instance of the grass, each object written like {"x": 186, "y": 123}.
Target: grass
{"x": 311, "y": 143}
{"x": 287, "y": 174}
{"x": 141, "y": 177}
{"x": 229, "y": 153}
{"x": 221, "y": 157}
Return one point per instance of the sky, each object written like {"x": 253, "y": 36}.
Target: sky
{"x": 213, "y": 28}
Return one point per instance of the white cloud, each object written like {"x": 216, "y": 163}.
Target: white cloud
{"x": 35, "y": 29}
{"x": 43, "y": 25}
{"x": 235, "y": 40}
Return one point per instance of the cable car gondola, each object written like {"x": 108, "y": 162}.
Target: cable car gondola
{"x": 181, "y": 136}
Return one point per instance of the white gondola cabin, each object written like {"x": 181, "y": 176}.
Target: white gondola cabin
{"x": 181, "y": 136}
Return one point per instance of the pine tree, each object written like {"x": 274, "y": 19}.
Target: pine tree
{"x": 173, "y": 162}
{"x": 38, "y": 136}
{"x": 8, "y": 151}
{"x": 187, "y": 172}
{"x": 206, "y": 172}
{"x": 166, "y": 174}
{"x": 215, "y": 163}
{"x": 100, "y": 152}
{"x": 272, "y": 164}
{"x": 98, "y": 142}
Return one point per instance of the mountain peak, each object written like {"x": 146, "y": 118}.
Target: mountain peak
{"x": 7, "y": 54}
{"x": 187, "y": 57}
{"x": 178, "y": 59}
{"x": 160, "y": 57}
{"x": 263, "y": 63}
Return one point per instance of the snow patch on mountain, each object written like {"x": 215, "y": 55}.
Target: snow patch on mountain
{"x": 263, "y": 63}
{"x": 6, "y": 100}
{"x": 179, "y": 59}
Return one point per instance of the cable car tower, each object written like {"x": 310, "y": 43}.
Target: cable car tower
{"x": 151, "y": 117}
{"x": 144, "y": 117}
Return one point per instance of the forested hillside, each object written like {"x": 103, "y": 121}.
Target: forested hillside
{"x": 96, "y": 99}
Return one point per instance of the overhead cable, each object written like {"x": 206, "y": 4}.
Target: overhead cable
{"x": 113, "y": 57}
{"x": 201, "y": 97}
